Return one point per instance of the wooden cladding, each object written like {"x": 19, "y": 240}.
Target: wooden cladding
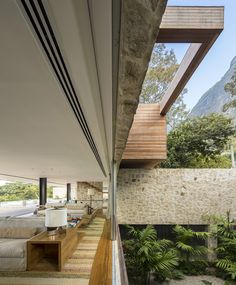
{"x": 193, "y": 17}
{"x": 146, "y": 145}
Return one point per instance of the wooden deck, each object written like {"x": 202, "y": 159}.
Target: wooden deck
{"x": 146, "y": 145}
{"x": 102, "y": 266}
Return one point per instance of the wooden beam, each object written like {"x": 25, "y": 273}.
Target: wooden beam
{"x": 184, "y": 72}
{"x": 196, "y": 52}
{"x": 199, "y": 26}
{"x": 186, "y": 35}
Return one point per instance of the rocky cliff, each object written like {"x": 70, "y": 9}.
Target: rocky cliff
{"x": 215, "y": 98}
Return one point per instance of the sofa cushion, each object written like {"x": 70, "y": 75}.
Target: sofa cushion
{"x": 75, "y": 207}
{"x": 16, "y": 233}
{"x": 12, "y": 264}
{"x": 81, "y": 212}
{"x": 28, "y": 222}
{"x": 14, "y": 248}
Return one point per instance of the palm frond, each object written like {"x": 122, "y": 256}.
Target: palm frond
{"x": 149, "y": 233}
{"x": 166, "y": 262}
{"x": 223, "y": 263}
{"x": 201, "y": 235}
{"x": 184, "y": 247}
{"x": 132, "y": 231}
{"x": 199, "y": 250}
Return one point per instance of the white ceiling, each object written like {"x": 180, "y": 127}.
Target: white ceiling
{"x": 39, "y": 134}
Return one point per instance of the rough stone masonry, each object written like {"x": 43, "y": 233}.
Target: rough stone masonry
{"x": 174, "y": 196}
{"x": 82, "y": 195}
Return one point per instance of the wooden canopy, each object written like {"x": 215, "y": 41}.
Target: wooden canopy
{"x": 146, "y": 145}
{"x": 199, "y": 26}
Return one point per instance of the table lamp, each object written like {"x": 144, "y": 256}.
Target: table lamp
{"x": 56, "y": 220}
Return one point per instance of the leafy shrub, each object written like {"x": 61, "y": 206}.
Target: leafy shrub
{"x": 192, "y": 258}
{"x": 226, "y": 249}
{"x": 145, "y": 254}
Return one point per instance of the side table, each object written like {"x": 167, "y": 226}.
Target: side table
{"x": 49, "y": 253}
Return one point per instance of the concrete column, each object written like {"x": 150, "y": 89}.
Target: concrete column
{"x": 232, "y": 156}
{"x": 212, "y": 243}
{"x": 42, "y": 191}
{"x": 68, "y": 192}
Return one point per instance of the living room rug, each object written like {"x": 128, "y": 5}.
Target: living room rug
{"x": 82, "y": 259}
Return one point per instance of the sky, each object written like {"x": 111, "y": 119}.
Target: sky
{"x": 218, "y": 59}
{"x": 3, "y": 182}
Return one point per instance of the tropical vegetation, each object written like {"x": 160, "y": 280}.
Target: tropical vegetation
{"x": 146, "y": 255}
{"x": 230, "y": 87}
{"x": 162, "y": 68}
{"x": 192, "y": 142}
{"x": 225, "y": 232}
{"x": 185, "y": 254}
{"x": 20, "y": 191}
{"x": 199, "y": 143}
{"x": 191, "y": 253}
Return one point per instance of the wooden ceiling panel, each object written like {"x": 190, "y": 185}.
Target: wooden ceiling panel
{"x": 147, "y": 137}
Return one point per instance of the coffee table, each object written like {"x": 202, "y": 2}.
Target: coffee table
{"x": 49, "y": 253}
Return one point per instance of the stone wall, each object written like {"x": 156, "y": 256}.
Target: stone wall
{"x": 167, "y": 196}
{"x": 140, "y": 21}
{"x": 82, "y": 194}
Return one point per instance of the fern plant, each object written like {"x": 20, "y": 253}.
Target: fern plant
{"x": 145, "y": 254}
{"x": 192, "y": 257}
{"x": 226, "y": 250}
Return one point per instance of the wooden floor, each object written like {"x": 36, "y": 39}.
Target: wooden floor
{"x": 102, "y": 266}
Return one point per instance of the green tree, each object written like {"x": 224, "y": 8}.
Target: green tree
{"x": 20, "y": 191}
{"x": 219, "y": 161}
{"x": 162, "y": 68}
{"x": 199, "y": 142}
{"x": 230, "y": 88}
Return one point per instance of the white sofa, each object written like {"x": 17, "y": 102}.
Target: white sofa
{"x": 76, "y": 210}
{"x": 14, "y": 233}
{"x": 73, "y": 210}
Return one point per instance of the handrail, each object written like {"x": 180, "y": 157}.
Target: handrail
{"x": 123, "y": 272}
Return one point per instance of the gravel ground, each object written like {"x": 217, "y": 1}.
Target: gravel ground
{"x": 195, "y": 280}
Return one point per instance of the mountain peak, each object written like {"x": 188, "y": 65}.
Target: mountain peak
{"x": 233, "y": 62}
{"x": 216, "y": 97}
